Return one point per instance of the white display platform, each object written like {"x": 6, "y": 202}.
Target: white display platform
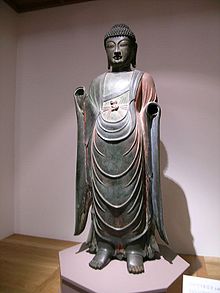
{"x": 77, "y": 276}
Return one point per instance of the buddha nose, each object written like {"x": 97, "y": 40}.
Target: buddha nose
{"x": 117, "y": 54}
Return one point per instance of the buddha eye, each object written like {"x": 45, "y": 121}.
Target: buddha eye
{"x": 124, "y": 44}
{"x": 110, "y": 45}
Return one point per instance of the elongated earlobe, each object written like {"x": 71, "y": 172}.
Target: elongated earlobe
{"x": 133, "y": 61}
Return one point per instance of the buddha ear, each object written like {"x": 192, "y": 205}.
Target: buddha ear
{"x": 133, "y": 61}
{"x": 109, "y": 66}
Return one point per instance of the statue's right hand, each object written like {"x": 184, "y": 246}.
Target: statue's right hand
{"x": 79, "y": 91}
{"x": 79, "y": 95}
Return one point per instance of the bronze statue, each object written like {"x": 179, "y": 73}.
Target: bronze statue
{"x": 118, "y": 159}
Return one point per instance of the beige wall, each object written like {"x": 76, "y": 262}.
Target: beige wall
{"x": 7, "y": 100}
{"x": 62, "y": 48}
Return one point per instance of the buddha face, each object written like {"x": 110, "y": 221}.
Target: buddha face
{"x": 120, "y": 52}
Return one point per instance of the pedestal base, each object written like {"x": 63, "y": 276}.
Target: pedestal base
{"x": 77, "y": 276}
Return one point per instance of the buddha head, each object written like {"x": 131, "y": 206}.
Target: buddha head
{"x": 121, "y": 48}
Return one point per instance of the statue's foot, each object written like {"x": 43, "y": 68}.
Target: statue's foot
{"x": 135, "y": 263}
{"x": 101, "y": 259}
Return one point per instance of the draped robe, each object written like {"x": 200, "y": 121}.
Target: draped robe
{"x": 118, "y": 163}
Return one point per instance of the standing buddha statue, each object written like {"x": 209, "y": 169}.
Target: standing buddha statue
{"x": 118, "y": 172}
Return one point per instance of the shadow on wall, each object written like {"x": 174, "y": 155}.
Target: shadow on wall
{"x": 176, "y": 214}
{"x": 176, "y": 217}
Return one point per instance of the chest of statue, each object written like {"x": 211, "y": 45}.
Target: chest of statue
{"x": 116, "y": 96}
